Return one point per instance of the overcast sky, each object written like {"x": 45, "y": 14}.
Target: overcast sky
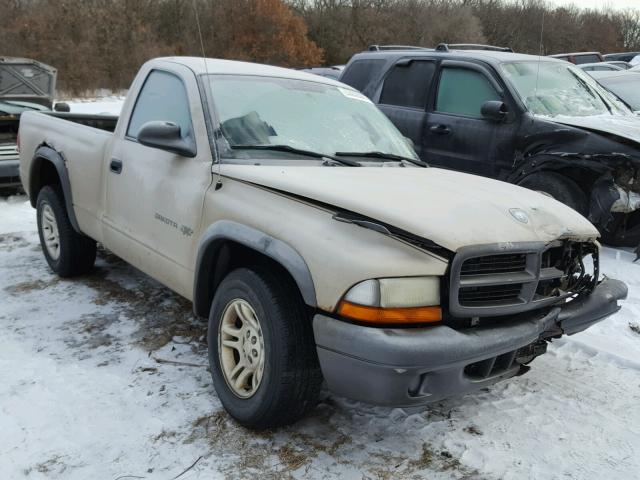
{"x": 617, "y": 4}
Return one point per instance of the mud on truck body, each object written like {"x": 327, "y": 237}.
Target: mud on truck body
{"x": 300, "y": 222}
{"x": 534, "y": 121}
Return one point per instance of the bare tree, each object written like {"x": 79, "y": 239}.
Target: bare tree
{"x": 101, "y": 43}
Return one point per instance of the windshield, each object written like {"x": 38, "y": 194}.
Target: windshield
{"x": 301, "y": 114}
{"x": 627, "y": 88}
{"x": 559, "y": 89}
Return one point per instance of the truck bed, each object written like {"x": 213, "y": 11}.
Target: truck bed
{"x": 82, "y": 139}
{"x": 9, "y": 124}
{"x": 101, "y": 122}
{"x": 8, "y": 135}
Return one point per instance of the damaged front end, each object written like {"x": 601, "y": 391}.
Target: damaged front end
{"x": 605, "y": 166}
{"x": 614, "y": 206}
{"x": 489, "y": 281}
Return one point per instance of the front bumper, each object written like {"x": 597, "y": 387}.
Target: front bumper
{"x": 9, "y": 173}
{"x": 406, "y": 367}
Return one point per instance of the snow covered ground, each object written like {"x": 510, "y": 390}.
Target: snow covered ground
{"x": 100, "y": 106}
{"x": 105, "y": 377}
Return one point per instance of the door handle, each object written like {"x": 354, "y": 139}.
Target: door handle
{"x": 440, "y": 129}
{"x": 116, "y": 166}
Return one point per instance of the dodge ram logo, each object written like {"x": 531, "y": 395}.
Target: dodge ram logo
{"x": 519, "y": 215}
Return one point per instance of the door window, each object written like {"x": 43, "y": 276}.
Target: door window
{"x": 361, "y": 72}
{"x": 162, "y": 98}
{"x": 463, "y": 91}
{"x": 590, "y": 58}
{"x": 408, "y": 85}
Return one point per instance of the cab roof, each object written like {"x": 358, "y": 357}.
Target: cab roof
{"x": 215, "y": 66}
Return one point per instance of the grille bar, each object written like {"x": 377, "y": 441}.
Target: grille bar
{"x": 550, "y": 273}
{"x": 483, "y": 295}
{"x": 494, "y": 264}
{"x": 496, "y": 279}
{"x": 8, "y": 152}
{"x": 488, "y": 295}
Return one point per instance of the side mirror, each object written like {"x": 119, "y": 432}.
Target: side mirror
{"x": 62, "y": 107}
{"x": 166, "y": 136}
{"x": 494, "y": 110}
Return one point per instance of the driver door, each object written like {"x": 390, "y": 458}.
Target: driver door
{"x": 456, "y": 134}
{"x": 154, "y": 197}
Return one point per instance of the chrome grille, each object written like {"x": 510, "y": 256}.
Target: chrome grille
{"x": 497, "y": 280}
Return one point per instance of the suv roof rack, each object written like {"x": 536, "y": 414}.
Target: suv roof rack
{"x": 445, "y": 47}
{"x": 378, "y": 48}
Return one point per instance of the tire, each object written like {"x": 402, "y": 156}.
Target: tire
{"x": 622, "y": 231}
{"x": 75, "y": 253}
{"x": 288, "y": 385}
{"x": 559, "y": 187}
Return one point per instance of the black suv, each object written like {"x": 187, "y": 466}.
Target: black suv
{"x": 534, "y": 121}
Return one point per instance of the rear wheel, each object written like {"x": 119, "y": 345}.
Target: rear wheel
{"x": 261, "y": 349}
{"x": 67, "y": 252}
{"x": 559, "y": 187}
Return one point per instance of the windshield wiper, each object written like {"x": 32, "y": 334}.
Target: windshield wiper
{"x": 390, "y": 156}
{"x": 300, "y": 151}
{"x": 588, "y": 88}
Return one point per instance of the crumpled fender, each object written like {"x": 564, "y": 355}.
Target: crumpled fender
{"x": 598, "y": 163}
{"x": 547, "y": 145}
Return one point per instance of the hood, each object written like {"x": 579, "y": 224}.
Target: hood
{"x": 449, "y": 208}
{"x": 11, "y": 107}
{"x": 23, "y": 79}
{"x": 620, "y": 125}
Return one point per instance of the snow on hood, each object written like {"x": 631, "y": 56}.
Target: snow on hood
{"x": 623, "y": 126}
{"x": 452, "y": 209}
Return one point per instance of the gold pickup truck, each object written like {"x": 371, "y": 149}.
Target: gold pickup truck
{"x": 294, "y": 215}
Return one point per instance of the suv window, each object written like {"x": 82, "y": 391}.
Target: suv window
{"x": 463, "y": 91}
{"x": 360, "y": 72}
{"x": 591, "y": 58}
{"x": 162, "y": 98}
{"x": 408, "y": 85}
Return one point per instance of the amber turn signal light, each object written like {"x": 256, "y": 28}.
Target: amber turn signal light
{"x": 389, "y": 316}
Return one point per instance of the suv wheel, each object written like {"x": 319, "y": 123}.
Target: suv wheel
{"x": 621, "y": 231}
{"x": 559, "y": 187}
{"x": 261, "y": 349}
{"x": 67, "y": 252}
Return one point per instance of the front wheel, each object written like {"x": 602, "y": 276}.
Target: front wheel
{"x": 623, "y": 230}
{"x": 558, "y": 187}
{"x": 261, "y": 349}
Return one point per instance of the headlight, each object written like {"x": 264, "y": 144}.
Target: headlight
{"x": 394, "y": 301}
